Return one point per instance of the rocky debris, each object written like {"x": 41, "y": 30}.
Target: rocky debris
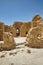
{"x": 35, "y": 37}
{"x": 12, "y": 64}
{"x": 35, "y": 34}
{"x": 2, "y": 55}
{"x": 9, "y": 42}
{"x": 22, "y": 50}
{"x": 20, "y": 46}
{"x": 13, "y": 53}
{"x": 28, "y": 51}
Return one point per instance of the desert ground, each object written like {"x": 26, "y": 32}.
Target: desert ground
{"x": 22, "y": 55}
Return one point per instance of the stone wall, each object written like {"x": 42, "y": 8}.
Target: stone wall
{"x": 1, "y": 30}
{"x": 7, "y": 28}
{"x": 25, "y": 28}
{"x": 17, "y": 25}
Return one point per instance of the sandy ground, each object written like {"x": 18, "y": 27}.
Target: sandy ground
{"x": 20, "y": 40}
{"x": 22, "y": 55}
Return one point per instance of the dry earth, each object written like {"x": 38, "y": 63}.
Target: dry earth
{"x": 22, "y": 55}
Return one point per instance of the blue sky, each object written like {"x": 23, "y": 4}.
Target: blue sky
{"x": 19, "y": 10}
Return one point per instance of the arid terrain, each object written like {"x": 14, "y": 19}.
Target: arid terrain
{"x": 21, "y": 32}
{"x": 22, "y": 55}
{"x": 22, "y": 43}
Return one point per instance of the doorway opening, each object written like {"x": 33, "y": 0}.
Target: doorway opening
{"x": 17, "y": 32}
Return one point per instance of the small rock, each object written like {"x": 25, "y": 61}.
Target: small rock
{"x": 12, "y": 53}
{"x": 2, "y": 56}
{"x": 21, "y": 49}
{"x": 12, "y": 63}
{"x": 28, "y": 51}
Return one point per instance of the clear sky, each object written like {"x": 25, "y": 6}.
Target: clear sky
{"x": 19, "y": 10}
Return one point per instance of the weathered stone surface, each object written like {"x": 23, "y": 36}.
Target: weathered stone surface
{"x": 35, "y": 21}
{"x": 10, "y": 29}
{"x": 6, "y": 28}
{"x": 1, "y": 30}
{"x": 35, "y": 37}
{"x": 35, "y": 34}
{"x": 9, "y": 42}
{"x": 17, "y": 26}
{"x": 25, "y": 28}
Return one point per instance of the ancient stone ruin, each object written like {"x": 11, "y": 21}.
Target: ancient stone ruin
{"x": 35, "y": 21}
{"x": 25, "y": 28}
{"x": 17, "y": 26}
{"x": 6, "y": 38}
{"x": 8, "y": 42}
{"x": 22, "y": 28}
{"x": 35, "y": 34}
{"x": 1, "y": 30}
{"x": 32, "y": 30}
{"x": 35, "y": 37}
